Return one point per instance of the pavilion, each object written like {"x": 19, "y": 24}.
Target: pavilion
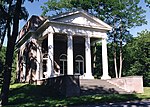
{"x": 61, "y": 45}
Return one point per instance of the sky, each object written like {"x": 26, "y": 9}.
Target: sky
{"x": 134, "y": 31}
{"x": 34, "y": 9}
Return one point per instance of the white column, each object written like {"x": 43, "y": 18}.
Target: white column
{"x": 22, "y": 49}
{"x": 50, "y": 61}
{"x": 17, "y": 65}
{"x": 70, "y": 56}
{"x": 88, "y": 74}
{"x": 39, "y": 71}
{"x": 24, "y": 70}
{"x": 104, "y": 58}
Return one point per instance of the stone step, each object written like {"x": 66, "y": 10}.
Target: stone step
{"x": 97, "y": 86}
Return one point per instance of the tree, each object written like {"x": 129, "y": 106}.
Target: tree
{"x": 124, "y": 16}
{"x": 147, "y": 2}
{"x": 121, "y": 15}
{"x": 2, "y": 60}
{"x": 10, "y": 51}
{"x": 2, "y": 63}
{"x": 137, "y": 57}
{"x": 3, "y": 22}
{"x": 12, "y": 11}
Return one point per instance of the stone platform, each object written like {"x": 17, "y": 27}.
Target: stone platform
{"x": 71, "y": 85}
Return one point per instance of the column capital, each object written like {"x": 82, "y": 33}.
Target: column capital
{"x": 88, "y": 36}
{"x": 48, "y": 31}
{"x": 69, "y": 34}
{"x": 104, "y": 36}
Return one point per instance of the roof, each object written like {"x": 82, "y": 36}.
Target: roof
{"x": 78, "y": 18}
{"x": 83, "y": 14}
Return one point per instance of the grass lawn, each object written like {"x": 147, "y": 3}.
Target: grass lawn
{"x": 23, "y": 95}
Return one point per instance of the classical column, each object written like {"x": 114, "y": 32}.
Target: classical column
{"x": 24, "y": 69}
{"x": 104, "y": 58}
{"x": 70, "y": 55}
{"x": 50, "y": 61}
{"x": 39, "y": 71}
{"x": 17, "y": 66}
{"x": 88, "y": 74}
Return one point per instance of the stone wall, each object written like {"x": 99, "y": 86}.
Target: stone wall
{"x": 63, "y": 86}
{"x": 132, "y": 84}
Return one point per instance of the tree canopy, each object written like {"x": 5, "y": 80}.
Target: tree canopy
{"x": 147, "y": 2}
{"x": 137, "y": 57}
{"x": 109, "y": 11}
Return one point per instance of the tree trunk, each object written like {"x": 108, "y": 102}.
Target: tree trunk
{"x": 7, "y": 74}
{"x": 115, "y": 56}
{"x": 120, "y": 70}
{"x": 115, "y": 64}
{"x": 9, "y": 55}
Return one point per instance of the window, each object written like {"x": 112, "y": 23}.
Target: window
{"x": 63, "y": 64}
{"x": 45, "y": 59}
{"x": 79, "y": 65}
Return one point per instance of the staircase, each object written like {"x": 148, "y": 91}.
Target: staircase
{"x": 97, "y": 86}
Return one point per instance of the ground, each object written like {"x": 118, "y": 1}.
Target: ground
{"x": 137, "y": 103}
{"x": 25, "y": 95}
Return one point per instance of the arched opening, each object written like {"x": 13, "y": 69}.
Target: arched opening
{"x": 63, "y": 64}
{"x": 79, "y": 65}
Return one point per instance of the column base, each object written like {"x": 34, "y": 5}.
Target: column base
{"x": 105, "y": 77}
{"x": 85, "y": 76}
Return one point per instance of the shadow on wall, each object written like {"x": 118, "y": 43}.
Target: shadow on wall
{"x": 27, "y": 64}
{"x": 63, "y": 86}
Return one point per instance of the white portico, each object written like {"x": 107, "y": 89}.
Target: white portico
{"x": 63, "y": 45}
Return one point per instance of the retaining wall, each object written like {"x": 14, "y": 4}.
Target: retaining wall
{"x": 65, "y": 86}
{"x": 133, "y": 84}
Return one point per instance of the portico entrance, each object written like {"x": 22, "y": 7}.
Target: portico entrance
{"x": 60, "y": 55}
{"x": 62, "y": 45}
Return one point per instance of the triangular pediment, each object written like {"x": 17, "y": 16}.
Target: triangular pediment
{"x": 81, "y": 18}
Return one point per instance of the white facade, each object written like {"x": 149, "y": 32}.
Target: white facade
{"x": 69, "y": 25}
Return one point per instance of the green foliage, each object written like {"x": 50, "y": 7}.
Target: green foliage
{"x": 147, "y": 2}
{"x": 146, "y": 94}
{"x": 137, "y": 57}
{"x": 2, "y": 63}
{"x": 2, "y": 60}
{"x": 2, "y": 54}
{"x": 111, "y": 67}
{"x": 110, "y": 11}
{"x": 14, "y": 69}
{"x": 98, "y": 68}
{"x": 98, "y": 64}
